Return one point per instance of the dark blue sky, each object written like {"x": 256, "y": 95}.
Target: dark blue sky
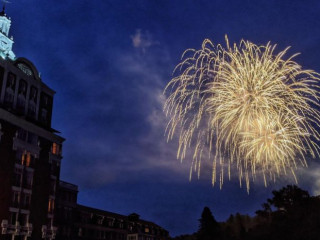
{"x": 109, "y": 62}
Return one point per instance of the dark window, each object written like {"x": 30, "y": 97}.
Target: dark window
{"x": 32, "y": 105}
{"x": 1, "y": 77}
{"x": 45, "y": 109}
{"x": 15, "y": 199}
{"x": 17, "y": 177}
{"x": 32, "y": 138}
{"x": 22, "y": 134}
{"x": 22, "y": 94}
{"x": 23, "y": 219}
{"x": 26, "y": 201}
{"x": 13, "y": 218}
{"x": 10, "y": 89}
{"x": 28, "y": 177}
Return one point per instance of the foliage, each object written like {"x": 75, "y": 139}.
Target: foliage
{"x": 209, "y": 227}
{"x": 290, "y": 214}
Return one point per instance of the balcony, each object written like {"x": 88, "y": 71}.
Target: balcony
{"x": 15, "y": 204}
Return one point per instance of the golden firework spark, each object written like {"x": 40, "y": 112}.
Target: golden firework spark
{"x": 247, "y": 107}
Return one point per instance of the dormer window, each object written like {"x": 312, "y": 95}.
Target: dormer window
{"x": 24, "y": 68}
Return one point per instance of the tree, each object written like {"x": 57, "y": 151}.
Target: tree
{"x": 288, "y": 198}
{"x": 209, "y": 228}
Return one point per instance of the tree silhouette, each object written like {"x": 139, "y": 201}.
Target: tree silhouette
{"x": 288, "y": 198}
{"x": 209, "y": 227}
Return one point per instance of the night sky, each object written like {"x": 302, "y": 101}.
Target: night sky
{"x": 109, "y": 62}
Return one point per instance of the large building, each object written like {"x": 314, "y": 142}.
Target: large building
{"x": 34, "y": 203}
{"x": 30, "y": 150}
{"x": 78, "y": 222}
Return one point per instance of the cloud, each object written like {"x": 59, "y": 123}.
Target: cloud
{"x": 142, "y": 40}
{"x": 122, "y": 122}
{"x": 309, "y": 177}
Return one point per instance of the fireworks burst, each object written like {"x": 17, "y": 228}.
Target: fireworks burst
{"x": 247, "y": 108}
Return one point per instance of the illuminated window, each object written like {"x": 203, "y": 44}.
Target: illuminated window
{"x": 56, "y": 149}
{"x": 51, "y": 205}
{"x": 146, "y": 230}
{"x": 28, "y": 159}
{"x": 24, "y": 158}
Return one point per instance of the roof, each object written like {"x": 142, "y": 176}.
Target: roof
{"x": 115, "y": 215}
{"x": 68, "y": 186}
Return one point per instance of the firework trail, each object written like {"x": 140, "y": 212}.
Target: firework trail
{"x": 247, "y": 108}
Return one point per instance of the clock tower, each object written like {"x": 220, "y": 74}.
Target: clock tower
{"x": 5, "y": 42}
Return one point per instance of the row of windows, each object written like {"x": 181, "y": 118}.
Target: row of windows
{"x": 27, "y": 94}
{"x": 68, "y": 196}
{"x": 121, "y": 224}
{"x": 15, "y": 217}
{"x": 21, "y": 200}
{"x": 22, "y": 178}
{"x": 10, "y": 93}
{"x": 25, "y": 158}
{"x": 29, "y": 137}
{"x": 99, "y": 234}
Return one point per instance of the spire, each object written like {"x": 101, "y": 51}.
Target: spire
{"x": 3, "y": 10}
{"x": 6, "y": 42}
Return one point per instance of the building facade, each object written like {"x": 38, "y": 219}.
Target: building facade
{"x": 30, "y": 150}
{"x": 78, "y": 222}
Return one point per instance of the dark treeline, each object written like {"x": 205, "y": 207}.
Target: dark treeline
{"x": 290, "y": 214}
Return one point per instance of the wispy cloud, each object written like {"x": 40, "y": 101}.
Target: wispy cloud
{"x": 309, "y": 177}
{"x": 123, "y": 122}
{"x": 142, "y": 40}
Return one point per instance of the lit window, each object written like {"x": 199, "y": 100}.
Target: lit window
{"x": 28, "y": 159}
{"x": 56, "y": 148}
{"x": 51, "y": 205}
{"x": 23, "y": 157}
